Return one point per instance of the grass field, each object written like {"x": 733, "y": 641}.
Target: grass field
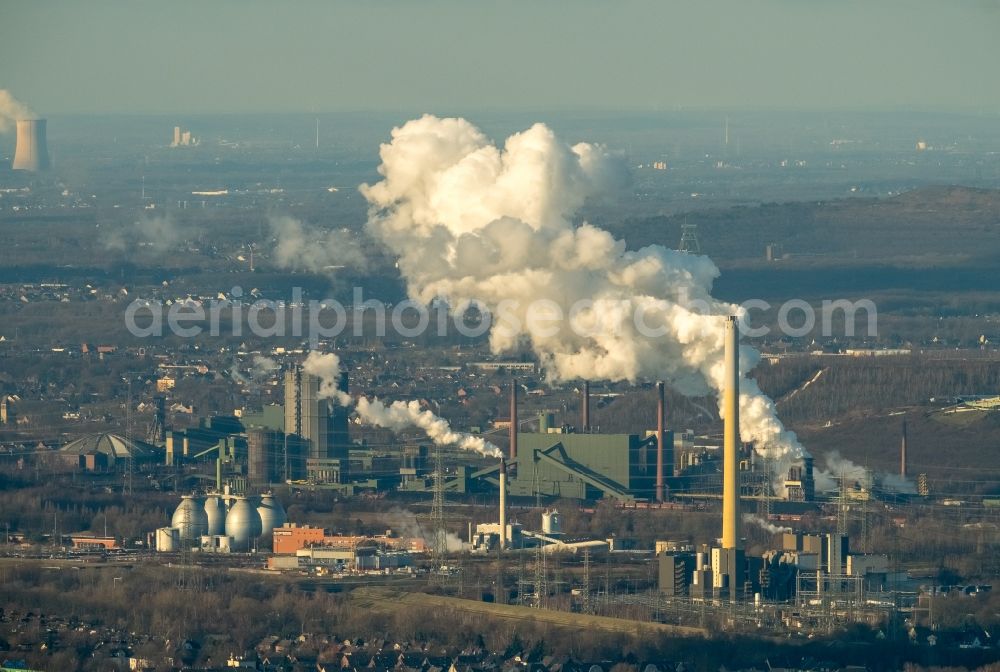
{"x": 386, "y": 600}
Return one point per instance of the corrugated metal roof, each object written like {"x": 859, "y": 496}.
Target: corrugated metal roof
{"x": 114, "y": 446}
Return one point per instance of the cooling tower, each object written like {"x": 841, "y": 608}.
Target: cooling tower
{"x": 32, "y": 152}
{"x": 731, "y": 439}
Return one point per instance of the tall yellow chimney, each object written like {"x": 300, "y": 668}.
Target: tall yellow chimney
{"x": 731, "y": 439}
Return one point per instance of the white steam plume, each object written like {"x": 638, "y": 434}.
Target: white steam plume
{"x": 262, "y": 366}
{"x": 476, "y": 224}
{"x": 299, "y": 247}
{"x": 839, "y": 468}
{"x": 236, "y": 375}
{"x": 326, "y": 367}
{"x": 395, "y": 416}
{"x": 404, "y": 523}
{"x": 11, "y": 109}
{"x": 159, "y": 233}
{"x": 764, "y": 524}
{"x": 402, "y": 414}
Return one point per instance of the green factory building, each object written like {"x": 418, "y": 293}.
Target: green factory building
{"x": 580, "y": 466}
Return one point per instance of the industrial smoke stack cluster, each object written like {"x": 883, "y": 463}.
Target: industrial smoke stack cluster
{"x": 32, "y": 153}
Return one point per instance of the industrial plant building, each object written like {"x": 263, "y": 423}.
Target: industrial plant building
{"x": 320, "y": 424}
{"x": 304, "y": 440}
{"x": 581, "y": 466}
{"x": 290, "y": 538}
{"x": 805, "y": 563}
{"x": 108, "y": 452}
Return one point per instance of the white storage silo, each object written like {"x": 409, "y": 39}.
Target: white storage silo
{"x": 243, "y": 525}
{"x": 550, "y": 523}
{"x": 190, "y": 519}
{"x": 215, "y": 509}
{"x": 168, "y": 540}
{"x": 272, "y": 515}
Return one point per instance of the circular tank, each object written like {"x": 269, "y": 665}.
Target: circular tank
{"x": 190, "y": 519}
{"x": 215, "y": 509}
{"x": 272, "y": 515}
{"x": 167, "y": 539}
{"x": 243, "y": 524}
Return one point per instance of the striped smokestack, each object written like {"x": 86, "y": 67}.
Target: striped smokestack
{"x": 32, "y": 152}
{"x": 585, "y": 403}
{"x": 731, "y": 439}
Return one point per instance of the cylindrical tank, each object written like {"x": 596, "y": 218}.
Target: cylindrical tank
{"x": 550, "y": 523}
{"x": 272, "y": 515}
{"x": 32, "y": 151}
{"x": 190, "y": 519}
{"x": 243, "y": 525}
{"x": 215, "y": 509}
{"x": 168, "y": 539}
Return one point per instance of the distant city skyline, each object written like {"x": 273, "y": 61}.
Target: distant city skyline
{"x": 189, "y": 57}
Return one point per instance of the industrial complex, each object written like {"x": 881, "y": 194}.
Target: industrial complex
{"x": 607, "y": 483}
{"x": 801, "y": 580}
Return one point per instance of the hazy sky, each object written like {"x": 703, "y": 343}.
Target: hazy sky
{"x": 250, "y": 56}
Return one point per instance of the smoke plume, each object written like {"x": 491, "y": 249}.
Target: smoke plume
{"x": 236, "y": 375}
{"x": 839, "y": 468}
{"x": 262, "y": 367}
{"x": 764, "y": 524}
{"x": 303, "y": 248}
{"x": 404, "y": 523}
{"x": 326, "y": 367}
{"x": 402, "y": 414}
{"x": 11, "y": 109}
{"x": 472, "y": 223}
{"x": 158, "y": 233}
{"x": 396, "y": 415}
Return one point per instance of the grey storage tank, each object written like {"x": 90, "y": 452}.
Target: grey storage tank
{"x": 190, "y": 519}
{"x": 167, "y": 539}
{"x": 272, "y": 515}
{"x": 243, "y": 525}
{"x": 215, "y": 509}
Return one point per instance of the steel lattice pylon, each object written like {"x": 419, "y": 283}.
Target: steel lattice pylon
{"x": 689, "y": 239}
